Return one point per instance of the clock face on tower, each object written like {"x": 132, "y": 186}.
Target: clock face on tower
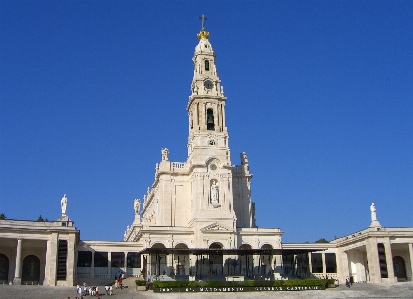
{"x": 208, "y": 84}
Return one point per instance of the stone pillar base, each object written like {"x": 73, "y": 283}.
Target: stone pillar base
{"x": 17, "y": 280}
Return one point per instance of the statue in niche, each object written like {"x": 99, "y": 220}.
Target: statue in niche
{"x": 214, "y": 195}
{"x": 165, "y": 153}
{"x": 137, "y": 206}
{"x": 63, "y": 204}
{"x": 373, "y": 212}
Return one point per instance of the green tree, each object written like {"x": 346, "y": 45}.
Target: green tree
{"x": 322, "y": 240}
{"x": 40, "y": 219}
{"x": 2, "y": 216}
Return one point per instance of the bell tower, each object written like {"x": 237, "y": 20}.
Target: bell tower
{"x": 206, "y": 106}
{"x": 212, "y": 204}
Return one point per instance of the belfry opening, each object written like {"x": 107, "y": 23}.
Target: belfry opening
{"x": 210, "y": 120}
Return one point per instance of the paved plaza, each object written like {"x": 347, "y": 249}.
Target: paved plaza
{"x": 396, "y": 290}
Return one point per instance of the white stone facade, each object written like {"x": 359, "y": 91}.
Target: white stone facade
{"x": 194, "y": 209}
{"x": 38, "y": 252}
{"x": 206, "y": 199}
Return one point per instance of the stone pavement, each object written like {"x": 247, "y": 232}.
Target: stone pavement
{"x": 365, "y": 290}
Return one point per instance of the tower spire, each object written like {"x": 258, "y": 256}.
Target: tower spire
{"x": 203, "y": 33}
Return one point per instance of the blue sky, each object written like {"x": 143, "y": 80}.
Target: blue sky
{"x": 320, "y": 97}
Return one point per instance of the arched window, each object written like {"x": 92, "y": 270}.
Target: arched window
{"x": 399, "y": 267}
{"x": 4, "y": 267}
{"x": 31, "y": 269}
{"x": 210, "y": 120}
{"x": 207, "y": 65}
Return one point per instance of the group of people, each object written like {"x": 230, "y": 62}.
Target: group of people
{"x": 109, "y": 290}
{"x": 86, "y": 290}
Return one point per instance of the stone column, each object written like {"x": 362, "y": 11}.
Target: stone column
{"x": 18, "y": 270}
{"x": 218, "y": 123}
{"x": 109, "y": 265}
{"x": 389, "y": 260}
{"x": 410, "y": 245}
{"x": 373, "y": 260}
{"x": 342, "y": 264}
{"x": 71, "y": 263}
{"x": 230, "y": 191}
{"x": 223, "y": 116}
{"x": 169, "y": 264}
{"x": 125, "y": 264}
{"x": 54, "y": 245}
{"x": 202, "y": 116}
{"x": 47, "y": 266}
{"x": 206, "y": 200}
{"x": 323, "y": 261}
{"x": 310, "y": 264}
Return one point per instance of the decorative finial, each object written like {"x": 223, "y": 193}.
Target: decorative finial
{"x": 203, "y": 19}
{"x": 203, "y": 33}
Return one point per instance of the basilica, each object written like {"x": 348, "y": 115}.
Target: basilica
{"x": 197, "y": 221}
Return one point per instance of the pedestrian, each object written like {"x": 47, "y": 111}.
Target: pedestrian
{"x": 110, "y": 290}
{"x": 97, "y": 291}
{"x": 79, "y": 290}
{"x": 107, "y": 290}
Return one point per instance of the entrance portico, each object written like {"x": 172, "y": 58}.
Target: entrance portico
{"x": 376, "y": 254}
{"x": 38, "y": 252}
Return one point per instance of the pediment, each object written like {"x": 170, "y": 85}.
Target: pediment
{"x": 215, "y": 227}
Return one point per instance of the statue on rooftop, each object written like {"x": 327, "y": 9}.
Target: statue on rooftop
{"x": 165, "y": 153}
{"x": 137, "y": 206}
{"x": 374, "y": 221}
{"x": 63, "y": 204}
{"x": 373, "y": 212}
{"x": 244, "y": 158}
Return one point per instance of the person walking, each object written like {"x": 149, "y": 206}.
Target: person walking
{"x": 79, "y": 290}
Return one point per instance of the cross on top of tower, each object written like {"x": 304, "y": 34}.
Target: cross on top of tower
{"x": 203, "y": 33}
{"x": 203, "y": 18}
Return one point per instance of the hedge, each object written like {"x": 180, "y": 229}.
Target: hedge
{"x": 140, "y": 283}
{"x": 247, "y": 283}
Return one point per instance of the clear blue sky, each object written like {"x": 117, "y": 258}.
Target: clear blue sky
{"x": 320, "y": 97}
